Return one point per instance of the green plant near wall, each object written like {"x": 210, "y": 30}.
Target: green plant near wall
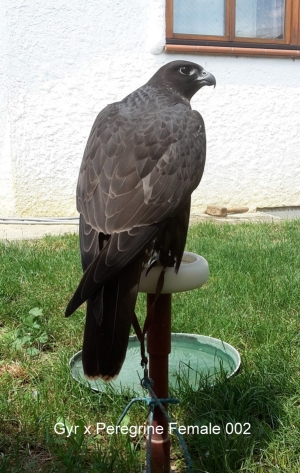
{"x": 30, "y": 335}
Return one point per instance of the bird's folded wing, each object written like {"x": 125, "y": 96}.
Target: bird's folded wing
{"x": 138, "y": 166}
{"x": 114, "y": 257}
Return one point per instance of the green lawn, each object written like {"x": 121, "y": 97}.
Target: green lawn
{"x": 251, "y": 300}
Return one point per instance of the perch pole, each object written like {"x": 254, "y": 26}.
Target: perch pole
{"x": 193, "y": 273}
{"x": 159, "y": 348}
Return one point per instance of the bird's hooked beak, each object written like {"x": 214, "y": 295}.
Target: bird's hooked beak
{"x": 206, "y": 78}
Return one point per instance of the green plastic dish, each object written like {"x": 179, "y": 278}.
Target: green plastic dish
{"x": 192, "y": 358}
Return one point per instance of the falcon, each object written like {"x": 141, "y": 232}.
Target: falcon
{"x": 144, "y": 157}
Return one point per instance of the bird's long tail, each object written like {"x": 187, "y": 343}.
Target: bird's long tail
{"x": 108, "y": 320}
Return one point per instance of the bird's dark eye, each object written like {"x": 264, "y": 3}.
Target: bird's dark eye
{"x": 187, "y": 70}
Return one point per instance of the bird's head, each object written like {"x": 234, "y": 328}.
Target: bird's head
{"x": 183, "y": 77}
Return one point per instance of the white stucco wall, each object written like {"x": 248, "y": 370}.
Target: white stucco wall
{"x": 62, "y": 62}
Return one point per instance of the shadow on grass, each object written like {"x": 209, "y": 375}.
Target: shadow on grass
{"x": 230, "y": 424}
{"x": 49, "y": 453}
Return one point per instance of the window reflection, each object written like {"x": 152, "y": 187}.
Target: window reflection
{"x": 260, "y": 19}
{"x": 201, "y": 17}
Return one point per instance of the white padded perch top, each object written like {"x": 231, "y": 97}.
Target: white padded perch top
{"x": 193, "y": 273}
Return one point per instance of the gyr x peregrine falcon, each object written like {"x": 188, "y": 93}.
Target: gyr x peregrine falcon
{"x": 144, "y": 157}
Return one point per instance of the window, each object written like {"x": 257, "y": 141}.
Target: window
{"x": 248, "y": 27}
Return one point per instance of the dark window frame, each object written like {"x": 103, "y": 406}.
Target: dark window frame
{"x": 229, "y": 44}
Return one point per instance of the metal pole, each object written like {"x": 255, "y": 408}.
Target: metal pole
{"x": 159, "y": 347}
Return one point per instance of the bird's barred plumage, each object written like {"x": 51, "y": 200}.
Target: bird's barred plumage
{"x": 144, "y": 157}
